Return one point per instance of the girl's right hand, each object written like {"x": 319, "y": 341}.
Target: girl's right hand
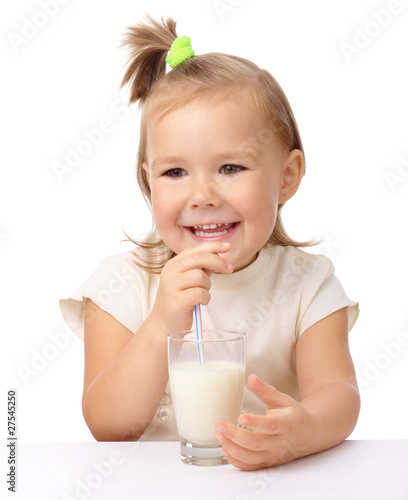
{"x": 185, "y": 282}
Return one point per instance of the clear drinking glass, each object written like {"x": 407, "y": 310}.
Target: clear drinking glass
{"x": 207, "y": 384}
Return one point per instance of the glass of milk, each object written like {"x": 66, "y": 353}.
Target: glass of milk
{"x": 207, "y": 384}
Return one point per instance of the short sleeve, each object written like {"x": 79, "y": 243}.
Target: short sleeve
{"x": 323, "y": 296}
{"x": 116, "y": 286}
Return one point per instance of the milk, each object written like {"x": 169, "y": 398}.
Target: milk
{"x": 204, "y": 395}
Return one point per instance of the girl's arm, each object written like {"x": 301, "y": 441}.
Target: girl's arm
{"x": 325, "y": 416}
{"x": 126, "y": 374}
{"x": 327, "y": 380}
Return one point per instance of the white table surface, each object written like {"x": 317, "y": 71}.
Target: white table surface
{"x": 372, "y": 470}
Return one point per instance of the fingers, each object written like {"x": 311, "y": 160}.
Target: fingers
{"x": 279, "y": 452}
{"x": 268, "y": 394}
{"x": 185, "y": 282}
{"x": 242, "y": 448}
{"x": 243, "y": 465}
{"x": 213, "y": 246}
{"x": 253, "y": 432}
{"x": 192, "y": 268}
{"x": 272, "y": 424}
{"x": 262, "y": 440}
{"x": 205, "y": 256}
{"x": 195, "y": 278}
{"x": 255, "y": 450}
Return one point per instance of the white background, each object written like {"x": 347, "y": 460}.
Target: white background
{"x": 61, "y": 73}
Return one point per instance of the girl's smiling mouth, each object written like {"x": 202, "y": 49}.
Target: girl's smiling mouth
{"x": 212, "y": 231}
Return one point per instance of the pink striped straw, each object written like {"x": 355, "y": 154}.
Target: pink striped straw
{"x": 199, "y": 332}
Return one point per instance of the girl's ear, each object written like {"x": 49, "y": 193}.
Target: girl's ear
{"x": 292, "y": 173}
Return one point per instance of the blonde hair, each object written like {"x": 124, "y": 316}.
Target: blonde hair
{"x": 208, "y": 76}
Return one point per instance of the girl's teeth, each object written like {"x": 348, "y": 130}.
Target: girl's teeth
{"x": 208, "y": 226}
{"x": 209, "y": 235}
{"x": 203, "y": 234}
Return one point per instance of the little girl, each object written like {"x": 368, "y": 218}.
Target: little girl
{"x": 219, "y": 155}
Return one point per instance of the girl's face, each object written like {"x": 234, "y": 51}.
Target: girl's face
{"x": 216, "y": 173}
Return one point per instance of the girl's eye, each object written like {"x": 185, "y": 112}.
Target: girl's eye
{"x": 175, "y": 172}
{"x": 230, "y": 169}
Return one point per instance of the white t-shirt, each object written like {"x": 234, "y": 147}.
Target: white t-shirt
{"x": 274, "y": 301}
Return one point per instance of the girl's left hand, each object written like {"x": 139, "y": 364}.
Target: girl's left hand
{"x": 266, "y": 440}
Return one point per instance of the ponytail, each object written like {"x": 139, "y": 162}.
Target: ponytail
{"x": 149, "y": 44}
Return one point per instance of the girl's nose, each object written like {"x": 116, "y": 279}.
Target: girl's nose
{"x": 204, "y": 193}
